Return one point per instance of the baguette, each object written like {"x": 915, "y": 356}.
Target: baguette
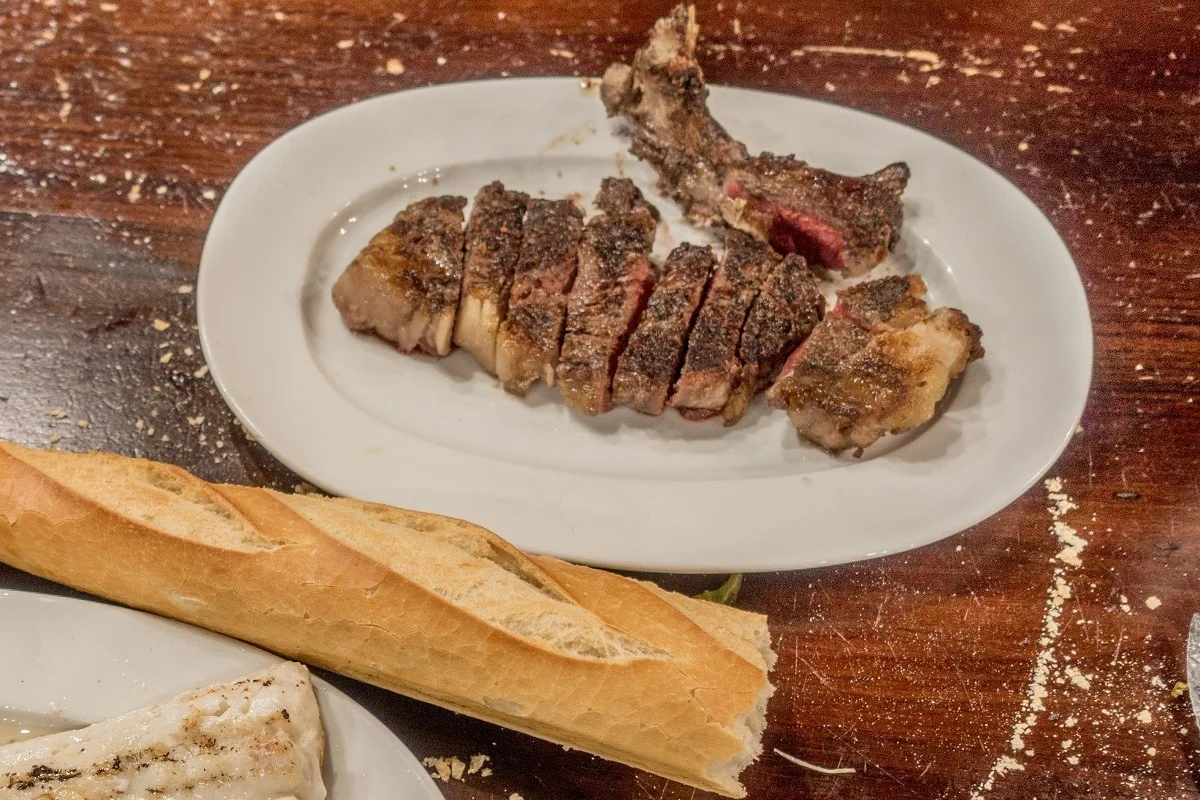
{"x": 428, "y": 606}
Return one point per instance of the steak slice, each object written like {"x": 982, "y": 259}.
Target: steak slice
{"x": 493, "y": 245}
{"x": 404, "y": 285}
{"x": 528, "y": 341}
{"x": 895, "y": 300}
{"x": 840, "y": 222}
{"x": 650, "y": 363}
{"x": 877, "y": 366}
{"x": 615, "y": 278}
{"x": 836, "y": 221}
{"x": 712, "y": 366}
{"x": 788, "y": 307}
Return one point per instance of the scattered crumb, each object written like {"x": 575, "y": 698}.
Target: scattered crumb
{"x": 1038, "y": 26}
{"x": 200, "y": 373}
{"x": 395, "y": 66}
{"x": 108, "y": 8}
{"x": 1065, "y": 27}
{"x": 345, "y": 44}
{"x": 1152, "y": 602}
{"x": 160, "y": 325}
{"x": 83, "y": 423}
{"x": 560, "y": 53}
{"x": 166, "y": 357}
{"x": 1023, "y": 146}
{"x": 441, "y": 61}
{"x": 55, "y": 438}
{"x": 186, "y": 288}
{"x": 1178, "y": 690}
{"x": 209, "y": 194}
{"x": 196, "y": 420}
{"x": 1059, "y": 89}
{"x": 57, "y": 413}
{"x": 515, "y": 796}
{"x": 477, "y": 762}
{"x": 1144, "y": 717}
{"x": 135, "y": 193}
{"x": 829, "y": 87}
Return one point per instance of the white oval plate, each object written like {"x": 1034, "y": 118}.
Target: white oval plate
{"x": 358, "y": 418}
{"x": 83, "y": 662}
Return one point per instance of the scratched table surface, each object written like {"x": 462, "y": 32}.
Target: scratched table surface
{"x": 1033, "y": 655}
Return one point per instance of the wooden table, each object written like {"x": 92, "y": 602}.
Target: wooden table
{"x": 122, "y": 122}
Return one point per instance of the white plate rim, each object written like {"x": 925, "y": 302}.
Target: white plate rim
{"x": 1070, "y": 298}
{"x": 357, "y": 742}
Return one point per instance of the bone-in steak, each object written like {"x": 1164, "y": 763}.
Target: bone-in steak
{"x": 876, "y": 366}
{"x": 712, "y": 366}
{"x": 836, "y": 221}
{"x": 615, "y": 278}
{"x": 405, "y": 283}
{"x": 651, "y": 360}
{"x": 529, "y": 339}
{"x": 788, "y": 307}
{"x": 493, "y": 245}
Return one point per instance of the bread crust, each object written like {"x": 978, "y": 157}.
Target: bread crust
{"x": 672, "y": 689}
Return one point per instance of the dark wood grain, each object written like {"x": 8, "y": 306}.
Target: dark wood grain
{"x": 122, "y": 123}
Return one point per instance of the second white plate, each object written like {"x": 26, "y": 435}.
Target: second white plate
{"x": 354, "y": 416}
{"x": 83, "y": 662}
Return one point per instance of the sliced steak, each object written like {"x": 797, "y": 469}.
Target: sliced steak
{"x": 614, "y": 280}
{"x": 405, "y": 283}
{"x": 878, "y": 365}
{"x": 493, "y": 245}
{"x": 529, "y": 339}
{"x": 788, "y": 307}
{"x": 895, "y": 300}
{"x": 839, "y": 222}
{"x": 650, "y": 363}
{"x": 711, "y": 367}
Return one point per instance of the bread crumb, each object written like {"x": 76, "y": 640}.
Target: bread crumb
{"x": 515, "y": 796}
{"x": 1059, "y": 89}
{"x": 55, "y": 438}
{"x": 345, "y": 44}
{"x": 395, "y": 66}
{"x": 166, "y": 357}
{"x": 1144, "y": 717}
{"x": 441, "y": 61}
{"x": 1153, "y": 602}
{"x": 160, "y": 325}
{"x": 83, "y": 423}
{"x": 186, "y": 288}
{"x": 57, "y": 413}
{"x": 1151, "y": 751}
{"x": 1065, "y": 27}
{"x": 477, "y": 762}
{"x": 108, "y": 8}
{"x": 561, "y": 53}
{"x": 1038, "y": 26}
{"x": 196, "y": 420}
{"x": 135, "y": 193}
{"x": 200, "y": 373}
{"x": 209, "y": 194}
{"x": 829, "y": 87}
{"x": 1178, "y": 690}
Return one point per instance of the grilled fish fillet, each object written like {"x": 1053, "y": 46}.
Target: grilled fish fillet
{"x": 259, "y": 738}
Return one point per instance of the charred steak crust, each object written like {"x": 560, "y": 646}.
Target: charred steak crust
{"x": 404, "y": 285}
{"x": 895, "y": 300}
{"x": 651, "y": 360}
{"x": 837, "y": 221}
{"x": 493, "y": 245}
{"x": 529, "y": 339}
{"x": 711, "y": 366}
{"x": 785, "y": 312}
{"x": 614, "y": 279}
